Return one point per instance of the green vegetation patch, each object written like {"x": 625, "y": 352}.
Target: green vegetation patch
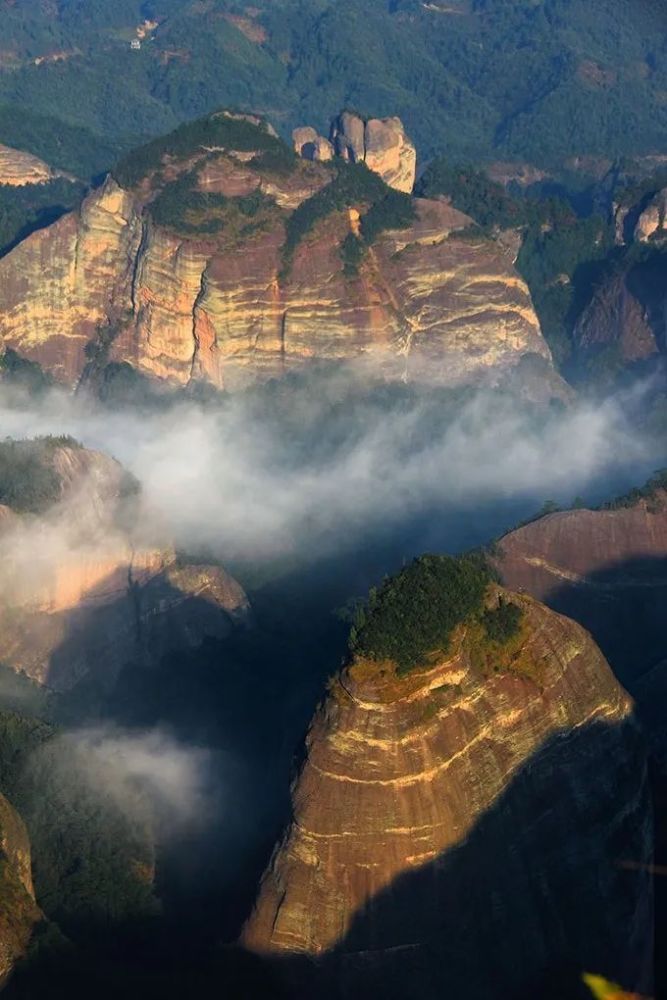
{"x": 22, "y": 373}
{"x": 218, "y": 130}
{"x": 394, "y": 211}
{"x": 352, "y": 185}
{"x": 649, "y": 491}
{"x": 23, "y": 210}
{"x": 92, "y": 854}
{"x": 183, "y": 208}
{"x": 28, "y": 482}
{"x": 415, "y": 612}
{"x": 472, "y": 192}
{"x": 503, "y": 622}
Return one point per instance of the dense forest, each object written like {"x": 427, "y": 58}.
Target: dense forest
{"x": 478, "y": 79}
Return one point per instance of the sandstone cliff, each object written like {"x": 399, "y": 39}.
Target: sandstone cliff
{"x": 605, "y": 568}
{"x": 17, "y": 169}
{"x": 82, "y": 593}
{"x": 19, "y": 913}
{"x": 458, "y": 831}
{"x": 209, "y": 297}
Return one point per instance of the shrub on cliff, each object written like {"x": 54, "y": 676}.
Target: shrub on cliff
{"x": 28, "y": 482}
{"x": 217, "y": 130}
{"x": 352, "y": 185}
{"x": 415, "y": 612}
{"x": 502, "y": 623}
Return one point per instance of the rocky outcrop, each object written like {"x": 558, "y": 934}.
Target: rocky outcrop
{"x": 624, "y": 325}
{"x": 380, "y": 143}
{"x": 616, "y": 320}
{"x": 82, "y": 592}
{"x": 19, "y": 913}
{"x": 311, "y": 146}
{"x": 18, "y": 169}
{"x": 652, "y": 222}
{"x": 605, "y": 568}
{"x": 457, "y": 831}
{"x": 108, "y": 284}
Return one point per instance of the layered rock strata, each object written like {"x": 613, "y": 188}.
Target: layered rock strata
{"x": 107, "y": 284}
{"x": 459, "y": 831}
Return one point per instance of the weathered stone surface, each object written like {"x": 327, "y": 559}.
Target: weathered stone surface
{"x": 17, "y": 169}
{"x": 605, "y": 568}
{"x": 80, "y": 593}
{"x": 615, "y": 318}
{"x": 653, "y": 220}
{"x": 418, "y": 849}
{"x": 427, "y": 303}
{"x": 303, "y": 137}
{"x": 390, "y": 153}
{"x": 348, "y": 135}
{"x": 380, "y": 143}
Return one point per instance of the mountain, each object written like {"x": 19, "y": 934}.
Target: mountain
{"x": 480, "y": 79}
{"x": 215, "y": 254}
{"x": 460, "y": 826}
{"x": 81, "y": 595}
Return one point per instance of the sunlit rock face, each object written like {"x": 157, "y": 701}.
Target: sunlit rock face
{"x": 82, "y": 591}
{"x": 17, "y": 169}
{"x": 605, "y": 568}
{"x": 461, "y": 831}
{"x": 652, "y": 222}
{"x": 19, "y": 913}
{"x": 106, "y": 284}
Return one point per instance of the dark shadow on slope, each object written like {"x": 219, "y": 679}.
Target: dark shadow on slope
{"x": 623, "y": 607}
{"x": 535, "y": 895}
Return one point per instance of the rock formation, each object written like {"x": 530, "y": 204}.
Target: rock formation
{"x": 81, "y": 592}
{"x": 624, "y": 324}
{"x": 605, "y": 568}
{"x": 653, "y": 220}
{"x": 458, "y": 831}
{"x": 109, "y": 284}
{"x": 311, "y": 146}
{"x": 19, "y": 913}
{"x": 380, "y": 143}
{"x": 616, "y": 319}
{"x": 18, "y": 169}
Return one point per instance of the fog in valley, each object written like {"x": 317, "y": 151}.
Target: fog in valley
{"x": 308, "y": 490}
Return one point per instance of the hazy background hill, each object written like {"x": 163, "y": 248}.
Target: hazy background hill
{"x": 541, "y": 80}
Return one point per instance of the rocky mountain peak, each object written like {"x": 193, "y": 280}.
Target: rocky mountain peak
{"x": 380, "y": 143}
{"x": 403, "y": 775}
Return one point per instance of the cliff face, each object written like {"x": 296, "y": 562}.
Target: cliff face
{"x": 180, "y": 305}
{"x": 17, "y": 169}
{"x": 458, "y": 831}
{"x": 607, "y": 569}
{"x": 19, "y": 912}
{"x": 624, "y": 324}
{"x": 80, "y": 594}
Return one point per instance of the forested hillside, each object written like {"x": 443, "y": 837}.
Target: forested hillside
{"x": 541, "y": 80}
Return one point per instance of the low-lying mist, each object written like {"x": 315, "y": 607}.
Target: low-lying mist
{"x": 309, "y": 467}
